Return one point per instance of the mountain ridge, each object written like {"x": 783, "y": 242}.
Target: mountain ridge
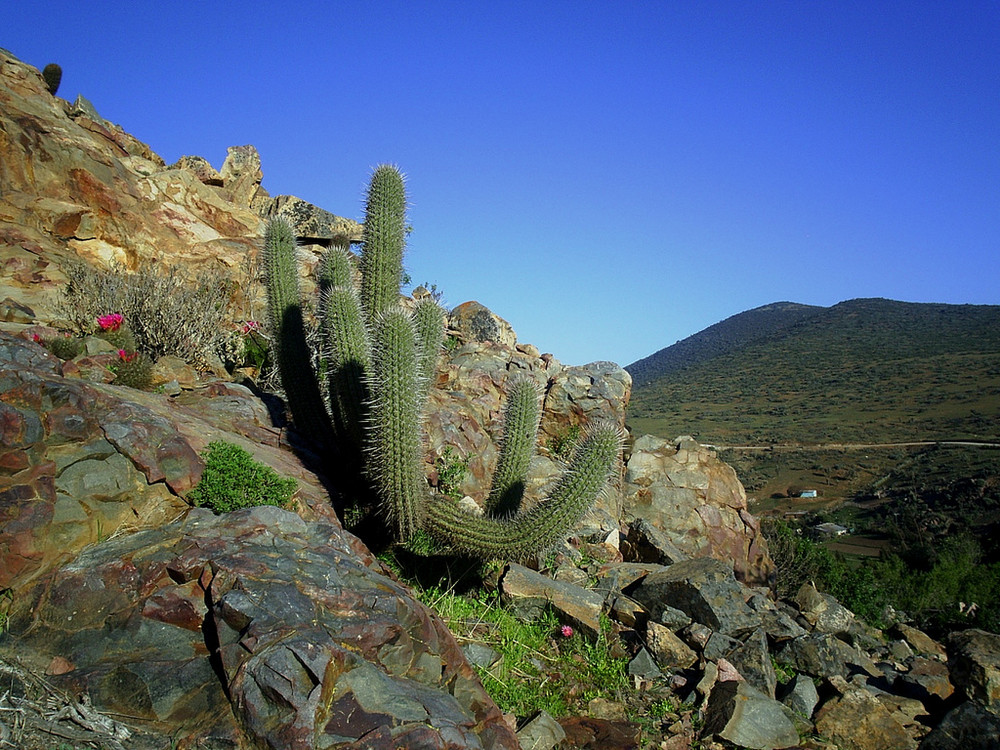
{"x": 863, "y": 368}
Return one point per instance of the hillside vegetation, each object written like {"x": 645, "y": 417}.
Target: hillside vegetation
{"x": 888, "y": 411}
{"x": 862, "y": 371}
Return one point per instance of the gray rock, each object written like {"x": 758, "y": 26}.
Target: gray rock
{"x": 702, "y": 588}
{"x": 542, "y": 732}
{"x": 753, "y": 660}
{"x": 529, "y": 593}
{"x": 822, "y": 655}
{"x": 970, "y": 726}
{"x": 801, "y": 696}
{"x": 739, "y": 713}
{"x": 778, "y": 624}
{"x": 648, "y": 544}
{"x": 480, "y": 655}
{"x": 643, "y": 665}
{"x": 717, "y": 646}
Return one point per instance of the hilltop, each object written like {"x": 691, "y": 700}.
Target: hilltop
{"x": 861, "y": 371}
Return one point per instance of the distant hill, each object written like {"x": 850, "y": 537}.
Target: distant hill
{"x": 865, "y": 370}
{"x": 731, "y": 334}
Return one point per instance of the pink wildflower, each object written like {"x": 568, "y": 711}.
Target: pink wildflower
{"x": 110, "y": 322}
{"x": 251, "y": 325}
{"x": 125, "y": 356}
{"x": 567, "y": 631}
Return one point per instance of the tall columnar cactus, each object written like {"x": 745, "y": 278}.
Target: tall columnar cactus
{"x": 292, "y": 352}
{"x": 381, "y": 360}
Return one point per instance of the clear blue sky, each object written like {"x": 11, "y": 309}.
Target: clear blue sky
{"x": 609, "y": 177}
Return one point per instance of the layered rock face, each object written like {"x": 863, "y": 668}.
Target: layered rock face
{"x": 74, "y": 185}
{"x": 267, "y": 628}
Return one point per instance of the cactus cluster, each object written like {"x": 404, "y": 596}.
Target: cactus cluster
{"x": 380, "y": 361}
{"x": 52, "y": 75}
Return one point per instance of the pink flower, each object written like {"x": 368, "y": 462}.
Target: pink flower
{"x": 567, "y": 631}
{"x": 110, "y": 322}
{"x": 125, "y": 356}
{"x": 36, "y": 338}
{"x": 251, "y": 325}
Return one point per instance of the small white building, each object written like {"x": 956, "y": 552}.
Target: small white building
{"x": 808, "y": 493}
{"x": 831, "y": 529}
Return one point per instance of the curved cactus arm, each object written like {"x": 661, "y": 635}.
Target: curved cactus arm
{"x": 348, "y": 354}
{"x": 428, "y": 316}
{"x": 395, "y": 452}
{"x": 292, "y": 353}
{"x": 522, "y": 415}
{"x": 528, "y": 533}
{"x": 383, "y": 240}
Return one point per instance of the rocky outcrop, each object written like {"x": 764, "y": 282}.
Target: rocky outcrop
{"x": 287, "y": 622}
{"x": 263, "y": 624}
{"x": 695, "y": 505}
{"x": 75, "y": 186}
{"x": 694, "y": 630}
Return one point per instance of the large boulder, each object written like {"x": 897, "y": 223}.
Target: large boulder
{"x": 314, "y": 645}
{"x": 683, "y": 490}
{"x": 974, "y": 663}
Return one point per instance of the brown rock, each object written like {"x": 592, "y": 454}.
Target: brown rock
{"x": 686, "y": 492}
{"x": 974, "y": 663}
{"x": 856, "y": 720}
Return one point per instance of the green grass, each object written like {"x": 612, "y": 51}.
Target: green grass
{"x": 539, "y": 668}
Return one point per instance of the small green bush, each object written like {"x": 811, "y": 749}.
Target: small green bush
{"x": 232, "y": 479}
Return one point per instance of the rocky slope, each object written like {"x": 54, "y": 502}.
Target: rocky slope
{"x": 134, "y": 620}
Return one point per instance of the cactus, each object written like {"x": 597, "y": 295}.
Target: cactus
{"x": 531, "y": 531}
{"x": 520, "y": 432}
{"x": 52, "y": 75}
{"x": 381, "y": 361}
{"x": 133, "y": 369}
{"x": 292, "y": 353}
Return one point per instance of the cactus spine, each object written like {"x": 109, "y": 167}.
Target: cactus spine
{"x": 381, "y": 362}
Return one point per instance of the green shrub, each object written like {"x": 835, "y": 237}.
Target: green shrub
{"x": 232, "y": 479}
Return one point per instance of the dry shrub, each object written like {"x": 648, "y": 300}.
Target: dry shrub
{"x": 167, "y": 314}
